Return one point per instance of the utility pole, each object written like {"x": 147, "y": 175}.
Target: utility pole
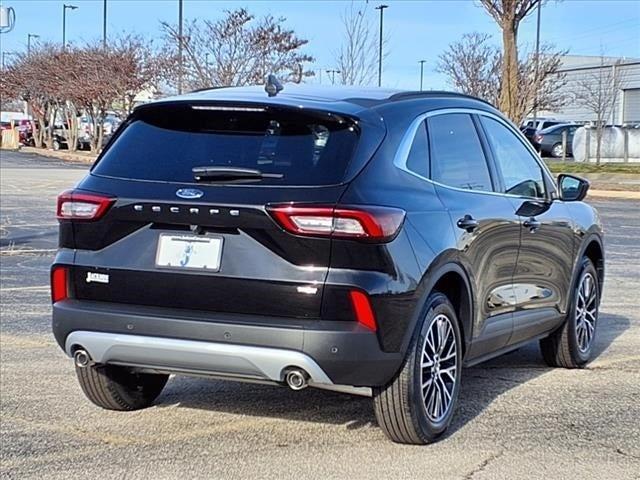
{"x": 421, "y": 72}
{"x": 381, "y": 8}
{"x": 64, "y": 23}
{"x": 333, "y": 72}
{"x": 537, "y": 85}
{"x": 104, "y": 24}
{"x": 29, "y": 37}
{"x": 179, "y": 46}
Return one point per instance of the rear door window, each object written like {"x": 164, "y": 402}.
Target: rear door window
{"x": 457, "y": 158}
{"x": 166, "y": 142}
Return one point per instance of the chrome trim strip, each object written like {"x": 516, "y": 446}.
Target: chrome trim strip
{"x": 402, "y": 154}
{"x": 222, "y": 358}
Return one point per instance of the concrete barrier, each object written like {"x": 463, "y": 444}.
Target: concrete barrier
{"x": 619, "y": 145}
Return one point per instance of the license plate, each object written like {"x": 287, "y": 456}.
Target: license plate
{"x": 189, "y": 251}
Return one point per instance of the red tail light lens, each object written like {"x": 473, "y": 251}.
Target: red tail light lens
{"x": 362, "y": 309}
{"x": 75, "y": 205}
{"x": 360, "y": 222}
{"x": 538, "y": 138}
{"x": 59, "y": 284}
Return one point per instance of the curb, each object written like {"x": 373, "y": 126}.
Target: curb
{"x": 622, "y": 194}
{"x": 76, "y": 157}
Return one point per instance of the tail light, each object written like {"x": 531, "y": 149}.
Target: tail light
{"x": 76, "y": 205}
{"x": 59, "y": 284}
{"x": 538, "y": 138}
{"x": 358, "y": 222}
{"x": 362, "y": 309}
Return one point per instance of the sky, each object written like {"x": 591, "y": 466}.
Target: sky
{"x": 414, "y": 30}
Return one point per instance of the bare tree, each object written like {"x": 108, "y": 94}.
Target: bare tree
{"x": 358, "y": 55}
{"x": 474, "y": 66}
{"x": 237, "y": 50}
{"x": 548, "y": 83}
{"x": 508, "y": 14}
{"x": 59, "y": 85}
{"x": 598, "y": 92}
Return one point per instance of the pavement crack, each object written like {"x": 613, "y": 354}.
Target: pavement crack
{"x": 484, "y": 464}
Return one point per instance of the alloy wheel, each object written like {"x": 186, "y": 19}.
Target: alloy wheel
{"x": 557, "y": 151}
{"x": 439, "y": 368}
{"x": 586, "y": 312}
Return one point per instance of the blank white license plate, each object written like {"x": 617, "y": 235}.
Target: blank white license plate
{"x": 189, "y": 251}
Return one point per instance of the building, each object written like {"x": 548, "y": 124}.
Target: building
{"x": 578, "y": 69}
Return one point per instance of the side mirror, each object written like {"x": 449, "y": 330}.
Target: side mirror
{"x": 572, "y": 188}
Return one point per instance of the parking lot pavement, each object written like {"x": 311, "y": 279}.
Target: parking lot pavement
{"x": 516, "y": 418}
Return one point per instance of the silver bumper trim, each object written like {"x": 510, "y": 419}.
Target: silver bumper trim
{"x": 190, "y": 356}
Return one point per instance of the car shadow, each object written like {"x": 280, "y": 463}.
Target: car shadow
{"x": 480, "y": 386}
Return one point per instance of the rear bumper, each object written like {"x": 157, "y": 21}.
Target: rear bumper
{"x": 234, "y": 346}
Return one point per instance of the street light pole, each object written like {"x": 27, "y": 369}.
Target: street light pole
{"x": 537, "y": 85}
{"x": 381, "y": 8}
{"x": 29, "y": 37}
{"x": 104, "y": 24}
{"x": 179, "y": 46}
{"x": 421, "y": 72}
{"x": 333, "y": 75}
{"x": 64, "y": 23}
{"x": 4, "y": 58}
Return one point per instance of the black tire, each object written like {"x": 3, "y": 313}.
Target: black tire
{"x": 400, "y": 407}
{"x": 563, "y": 348}
{"x": 118, "y": 388}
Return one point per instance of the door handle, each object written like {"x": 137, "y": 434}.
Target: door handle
{"x": 532, "y": 224}
{"x": 467, "y": 223}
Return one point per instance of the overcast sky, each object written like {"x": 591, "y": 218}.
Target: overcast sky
{"x": 415, "y": 29}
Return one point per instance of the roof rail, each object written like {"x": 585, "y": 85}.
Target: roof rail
{"x": 434, "y": 93}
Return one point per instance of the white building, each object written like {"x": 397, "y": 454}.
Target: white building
{"x": 578, "y": 68}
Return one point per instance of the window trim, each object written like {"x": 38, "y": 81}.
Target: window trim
{"x": 402, "y": 153}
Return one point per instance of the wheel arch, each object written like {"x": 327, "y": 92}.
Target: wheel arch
{"x": 452, "y": 280}
{"x": 594, "y": 251}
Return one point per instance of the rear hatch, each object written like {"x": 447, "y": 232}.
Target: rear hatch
{"x": 188, "y": 187}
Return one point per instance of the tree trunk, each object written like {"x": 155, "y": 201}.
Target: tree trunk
{"x": 509, "y": 83}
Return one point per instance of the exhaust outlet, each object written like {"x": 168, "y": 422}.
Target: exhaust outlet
{"x": 297, "y": 379}
{"x": 81, "y": 358}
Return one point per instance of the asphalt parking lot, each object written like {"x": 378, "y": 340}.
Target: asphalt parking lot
{"x": 516, "y": 417}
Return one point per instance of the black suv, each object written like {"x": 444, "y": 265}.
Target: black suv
{"x": 364, "y": 241}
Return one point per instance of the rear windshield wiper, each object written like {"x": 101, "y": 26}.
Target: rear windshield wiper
{"x": 204, "y": 174}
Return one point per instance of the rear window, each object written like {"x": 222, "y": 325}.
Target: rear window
{"x": 165, "y": 143}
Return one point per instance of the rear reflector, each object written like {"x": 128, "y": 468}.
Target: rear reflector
{"x": 362, "y": 309}
{"x": 59, "y": 284}
{"x": 75, "y": 205}
{"x": 360, "y": 222}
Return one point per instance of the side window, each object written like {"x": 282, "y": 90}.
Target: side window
{"x": 418, "y": 159}
{"x": 521, "y": 173}
{"x": 457, "y": 158}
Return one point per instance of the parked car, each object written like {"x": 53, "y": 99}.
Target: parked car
{"x": 366, "y": 241}
{"x": 25, "y": 133}
{"x": 549, "y": 140}
{"x": 60, "y": 139}
{"x": 539, "y": 123}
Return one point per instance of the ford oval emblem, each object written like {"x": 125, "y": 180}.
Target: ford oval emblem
{"x": 189, "y": 193}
